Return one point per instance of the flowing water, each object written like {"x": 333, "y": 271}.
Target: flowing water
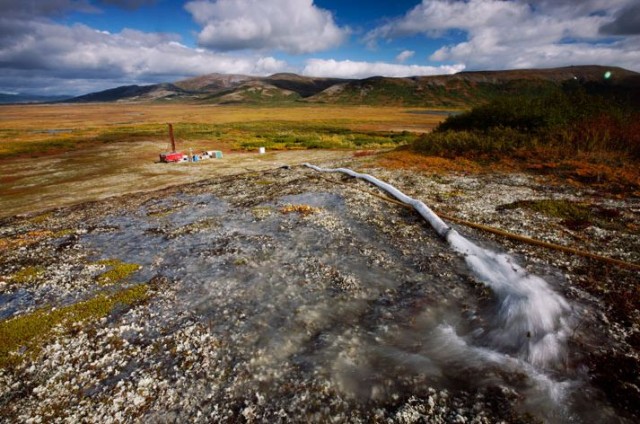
{"x": 334, "y": 299}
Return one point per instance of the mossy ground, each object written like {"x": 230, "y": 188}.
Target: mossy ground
{"x": 26, "y": 334}
{"x": 22, "y": 240}
{"x": 574, "y": 215}
{"x": 31, "y": 237}
{"x": 118, "y": 271}
{"x": 27, "y": 275}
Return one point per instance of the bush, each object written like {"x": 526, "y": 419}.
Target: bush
{"x": 457, "y": 143}
{"x": 575, "y": 118}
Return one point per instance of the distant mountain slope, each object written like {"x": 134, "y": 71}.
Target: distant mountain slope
{"x": 459, "y": 90}
{"x": 223, "y": 87}
{"x": 212, "y": 83}
{"x": 132, "y": 93}
{"x": 6, "y": 98}
{"x": 220, "y": 88}
{"x": 252, "y": 91}
{"x": 304, "y": 86}
{"x": 465, "y": 88}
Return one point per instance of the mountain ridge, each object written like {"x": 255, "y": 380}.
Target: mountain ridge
{"x": 22, "y": 98}
{"x": 457, "y": 90}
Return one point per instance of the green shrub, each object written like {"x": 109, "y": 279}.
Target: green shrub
{"x": 574, "y": 117}
{"x": 457, "y": 143}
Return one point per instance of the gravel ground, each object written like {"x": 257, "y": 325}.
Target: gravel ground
{"x": 279, "y": 296}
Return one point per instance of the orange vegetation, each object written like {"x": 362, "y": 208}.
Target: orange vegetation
{"x": 406, "y": 159}
{"x": 301, "y": 209}
{"x": 608, "y": 173}
{"x": 23, "y": 240}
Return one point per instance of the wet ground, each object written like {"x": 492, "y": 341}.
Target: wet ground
{"x": 278, "y": 296}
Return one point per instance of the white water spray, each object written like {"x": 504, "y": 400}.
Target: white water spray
{"x": 531, "y": 319}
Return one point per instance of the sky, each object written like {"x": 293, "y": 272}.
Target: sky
{"x": 74, "y": 47}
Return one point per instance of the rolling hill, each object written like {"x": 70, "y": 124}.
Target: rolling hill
{"x": 132, "y": 93}
{"x": 468, "y": 88}
{"x": 459, "y": 90}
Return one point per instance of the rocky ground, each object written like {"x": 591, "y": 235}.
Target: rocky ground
{"x": 280, "y": 296}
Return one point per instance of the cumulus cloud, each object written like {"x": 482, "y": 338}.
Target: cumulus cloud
{"x": 627, "y": 22}
{"x": 575, "y": 8}
{"x": 352, "y": 69}
{"x": 53, "y": 51}
{"x": 294, "y": 26}
{"x": 519, "y": 33}
{"x": 404, "y": 55}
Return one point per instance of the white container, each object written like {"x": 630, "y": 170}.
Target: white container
{"x": 261, "y": 150}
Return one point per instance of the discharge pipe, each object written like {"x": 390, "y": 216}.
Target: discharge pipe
{"x": 434, "y": 220}
{"x": 531, "y": 320}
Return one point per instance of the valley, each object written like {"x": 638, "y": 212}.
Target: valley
{"x": 254, "y": 288}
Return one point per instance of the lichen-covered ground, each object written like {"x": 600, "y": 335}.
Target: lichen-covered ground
{"x": 279, "y": 296}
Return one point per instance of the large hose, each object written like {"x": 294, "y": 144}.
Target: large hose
{"x": 532, "y": 318}
{"x": 512, "y": 236}
{"x": 434, "y": 220}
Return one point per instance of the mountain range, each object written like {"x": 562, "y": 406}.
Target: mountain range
{"x": 458, "y": 90}
{"x": 11, "y": 98}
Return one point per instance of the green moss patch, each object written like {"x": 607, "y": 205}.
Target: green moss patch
{"x": 39, "y": 219}
{"x": 563, "y": 209}
{"x": 64, "y": 233}
{"x": 119, "y": 271}
{"x": 28, "y": 333}
{"x": 574, "y": 215}
{"x": 161, "y": 213}
{"x": 27, "y": 275}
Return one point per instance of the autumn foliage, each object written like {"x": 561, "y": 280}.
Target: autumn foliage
{"x": 589, "y": 133}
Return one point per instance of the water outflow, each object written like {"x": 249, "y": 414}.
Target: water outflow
{"x": 531, "y": 323}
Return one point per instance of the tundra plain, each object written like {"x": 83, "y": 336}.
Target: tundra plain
{"x": 55, "y": 155}
{"x": 253, "y": 289}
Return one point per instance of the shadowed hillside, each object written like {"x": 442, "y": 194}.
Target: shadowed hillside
{"x": 460, "y": 90}
{"x": 469, "y": 88}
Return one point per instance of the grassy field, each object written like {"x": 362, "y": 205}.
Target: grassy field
{"x": 56, "y": 155}
{"x": 36, "y": 130}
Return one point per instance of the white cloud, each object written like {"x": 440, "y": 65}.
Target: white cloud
{"x": 517, "y": 34}
{"x": 294, "y": 26}
{"x": 51, "y": 51}
{"x": 404, "y": 55}
{"x": 351, "y": 69}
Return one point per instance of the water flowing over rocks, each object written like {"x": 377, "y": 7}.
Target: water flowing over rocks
{"x": 349, "y": 309}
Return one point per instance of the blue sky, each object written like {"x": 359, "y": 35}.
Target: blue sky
{"x": 79, "y": 46}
